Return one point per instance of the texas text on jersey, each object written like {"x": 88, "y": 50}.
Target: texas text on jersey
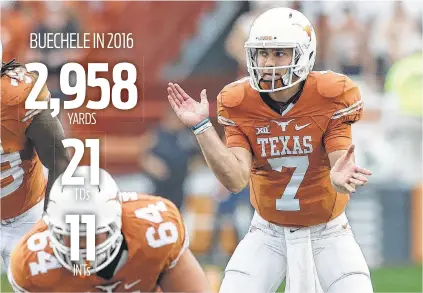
{"x": 290, "y": 183}
{"x": 22, "y": 181}
{"x": 154, "y": 239}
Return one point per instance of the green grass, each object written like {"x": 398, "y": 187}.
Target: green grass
{"x": 398, "y": 279}
{"x": 5, "y": 287}
{"x": 388, "y": 279}
{"x": 394, "y": 279}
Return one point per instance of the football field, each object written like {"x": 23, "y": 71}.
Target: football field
{"x": 394, "y": 279}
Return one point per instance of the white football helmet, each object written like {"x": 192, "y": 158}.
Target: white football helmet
{"x": 281, "y": 28}
{"x": 104, "y": 203}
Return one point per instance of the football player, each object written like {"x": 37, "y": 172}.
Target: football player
{"x": 288, "y": 133}
{"x": 29, "y": 139}
{"x": 140, "y": 244}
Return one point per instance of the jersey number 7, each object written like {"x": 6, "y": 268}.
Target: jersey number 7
{"x": 288, "y": 202}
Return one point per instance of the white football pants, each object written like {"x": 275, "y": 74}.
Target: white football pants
{"x": 12, "y": 230}
{"x": 321, "y": 258}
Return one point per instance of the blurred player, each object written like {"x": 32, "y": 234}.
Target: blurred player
{"x": 141, "y": 243}
{"x": 29, "y": 140}
{"x": 288, "y": 133}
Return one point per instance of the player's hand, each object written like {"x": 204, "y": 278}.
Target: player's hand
{"x": 345, "y": 174}
{"x": 186, "y": 108}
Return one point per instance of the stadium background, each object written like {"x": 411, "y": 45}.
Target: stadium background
{"x": 199, "y": 45}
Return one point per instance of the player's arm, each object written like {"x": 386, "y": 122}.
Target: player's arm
{"x": 231, "y": 166}
{"x": 345, "y": 175}
{"x": 186, "y": 276}
{"x": 46, "y": 133}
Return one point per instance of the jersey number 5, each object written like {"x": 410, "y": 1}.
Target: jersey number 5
{"x": 288, "y": 202}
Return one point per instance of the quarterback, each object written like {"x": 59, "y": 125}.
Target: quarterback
{"x": 288, "y": 134}
{"x": 140, "y": 244}
{"x": 29, "y": 139}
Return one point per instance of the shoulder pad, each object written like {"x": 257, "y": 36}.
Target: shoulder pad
{"x": 15, "y": 90}
{"x": 150, "y": 204}
{"x": 233, "y": 94}
{"x": 331, "y": 84}
{"x": 154, "y": 212}
{"x": 26, "y": 259}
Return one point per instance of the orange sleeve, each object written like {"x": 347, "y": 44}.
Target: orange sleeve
{"x": 349, "y": 107}
{"x": 236, "y": 138}
{"x": 338, "y": 137}
{"x": 233, "y": 134}
{"x": 349, "y": 110}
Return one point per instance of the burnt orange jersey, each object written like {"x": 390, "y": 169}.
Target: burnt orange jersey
{"x": 22, "y": 179}
{"x": 290, "y": 183}
{"x": 155, "y": 236}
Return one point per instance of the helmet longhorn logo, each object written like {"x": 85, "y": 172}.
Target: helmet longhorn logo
{"x": 305, "y": 28}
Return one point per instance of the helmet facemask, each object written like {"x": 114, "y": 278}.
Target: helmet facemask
{"x": 105, "y": 252}
{"x": 296, "y": 71}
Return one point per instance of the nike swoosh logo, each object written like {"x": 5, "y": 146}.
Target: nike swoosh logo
{"x": 129, "y": 286}
{"x": 301, "y": 127}
{"x": 293, "y": 230}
